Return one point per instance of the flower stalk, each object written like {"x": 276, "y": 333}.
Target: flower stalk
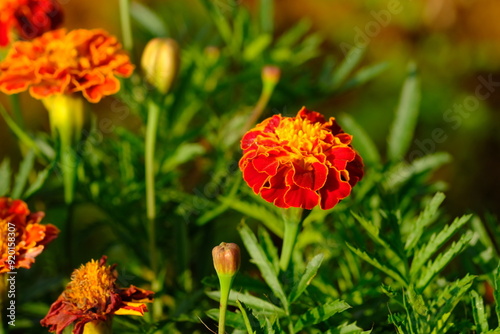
{"x": 227, "y": 260}
{"x": 66, "y": 114}
{"x": 270, "y": 78}
{"x": 293, "y": 222}
{"x": 151, "y": 134}
{"x": 126, "y": 26}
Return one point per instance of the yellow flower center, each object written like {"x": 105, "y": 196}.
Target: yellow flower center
{"x": 90, "y": 287}
{"x": 301, "y": 134}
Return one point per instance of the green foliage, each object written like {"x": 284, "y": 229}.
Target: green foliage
{"x": 387, "y": 259}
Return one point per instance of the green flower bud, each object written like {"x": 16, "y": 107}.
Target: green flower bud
{"x": 160, "y": 63}
{"x": 271, "y": 74}
{"x": 226, "y": 258}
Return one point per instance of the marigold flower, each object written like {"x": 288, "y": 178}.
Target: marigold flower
{"x": 22, "y": 236}
{"x": 300, "y": 161}
{"x": 30, "y": 18}
{"x": 92, "y": 297}
{"x": 60, "y": 62}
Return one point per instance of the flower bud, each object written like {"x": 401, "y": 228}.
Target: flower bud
{"x": 271, "y": 74}
{"x": 226, "y": 258}
{"x": 160, "y": 63}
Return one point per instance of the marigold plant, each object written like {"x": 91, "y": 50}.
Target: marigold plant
{"x": 300, "y": 161}
{"x": 28, "y": 18}
{"x": 93, "y": 297}
{"x": 61, "y": 62}
{"x": 31, "y": 237}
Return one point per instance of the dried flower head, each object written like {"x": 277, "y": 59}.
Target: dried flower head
{"x": 22, "y": 236}
{"x": 29, "y": 18}
{"x": 86, "y": 61}
{"x": 92, "y": 296}
{"x": 300, "y": 161}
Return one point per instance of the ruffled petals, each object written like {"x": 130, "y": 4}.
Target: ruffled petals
{"x": 300, "y": 161}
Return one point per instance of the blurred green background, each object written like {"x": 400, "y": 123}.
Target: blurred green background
{"x": 455, "y": 43}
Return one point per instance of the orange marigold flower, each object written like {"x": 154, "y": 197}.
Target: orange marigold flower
{"x": 92, "y": 297}
{"x": 30, "y": 18}
{"x": 22, "y": 236}
{"x": 300, "y": 161}
{"x": 58, "y": 62}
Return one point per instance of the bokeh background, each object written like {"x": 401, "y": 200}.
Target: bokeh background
{"x": 454, "y": 43}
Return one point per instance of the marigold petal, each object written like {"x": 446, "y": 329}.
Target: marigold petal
{"x": 311, "y": 176}
{"x": 310, "y": 161}
{"x": 131, "y": 308}
{"x": 334, "y": 190}
{"x": 301, "y": 198}
{"x": 95, "y": 93}
{"x": 275, "y": 191}
{"x": 311, "y": 116}
{"x": 254, "y": 178}
{"x": 272, "y": 123}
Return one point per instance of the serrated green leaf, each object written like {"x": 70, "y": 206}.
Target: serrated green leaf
{"x": 426, "y": 217}
{"x": 257, "y": 304}
{"x": 423, "y": 254}
{"x": 255, "y": 48}
{"x": 258, "y": 212}
{"x": 252, "y": 324}
{"x": 496, "y": 293}
{"x": 269, "y": 248}
{"x": 232, "y": 319}
{"x": 361, "y": 140}
{"x": 478, "y": 312}
{"x": 348, "y": 329}
{"x": 39, "y": 182}
{"x": 261, "y": 261}
{"x": 365, "y": 74}
{"x": 417, "y": 303}
{"x": 405, "y": 121}
{"x": 148, "y": 19}
{"x": 377, "y": 263}
{"x": 320, "y": 314}
{"x": 5, "y": 176}
{"x": 402, "y": 172}
{"x": 435, "y": 267}
{"x": 351, "y": 60}
{"x": 374, "y": 234}
{"x": 294, "y": 34}
{"x": 22, "y": 176}
{"x": 446, "y": 302}
{"x": 306, "y": 278}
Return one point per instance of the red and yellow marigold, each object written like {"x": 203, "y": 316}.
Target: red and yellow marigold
{"x": 22, "y": 236}
{"x": 61, "y": 62}
{"x": 28, "y": 18}
{"x": 92, "y": 298}
{"x": 300, "y": 161}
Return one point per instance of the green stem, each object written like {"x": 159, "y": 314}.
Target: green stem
{"x": 265, "y": 96}
{"x": 245, "y": 317}
{"x": 151, "y": 133}
{"x": 16, "y": 129}
{"x": 225, "y": 287}
{"x": 16, "y": 107}
{"x": 292, "y": 218}
{"x": 128, "y": 42}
